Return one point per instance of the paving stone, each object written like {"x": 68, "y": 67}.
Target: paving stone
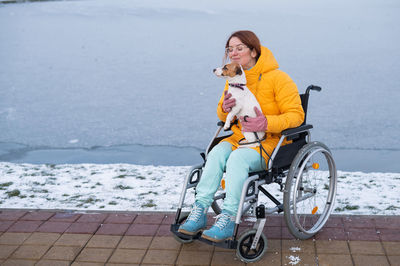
{"x": 53, "y": 227}
{"x": 120, "y": 218}
{"x": 243, "y": 229}
{"x": 92, "y": 218}
{"x": 62, "y": 253}
{"x": 6, "y": 250}
{"x": 390, "y": 222}
{"x": 83, "y": 228}
{"x": 124, "y": 264}
{"x": 165, "y": 242}
{"x": 53, "y": 263}
{"x": 24, "y": 226}
{"x": 65, "y": 217}
{"x": 169, "y": 219}
{"x": 46, "y": 239}
{"x": 225, "y": 258}
{"x": 335, "y": 222}
{"x": 13, "y": 238}
{"x": 358, "y": 222}
{"x": 4, "y": 225}
{"x": 389, "y": 234}
{"x": 164, "y": 230}
{"x": 37, "y": 216}
{"x": 331, "y": 234}
{"x": 332, "y": 247}
{"x": 334, "y": 259}
{"x": 135, "y": 242}
{"x": 103, "y": 241}
{"x": 11, "y": 215}
{"x": 285, "y": 234}
{"x": 392, "y": 248}
{"x": 94, "y": 255}
{"x": 298, "y": 259}
{"x": 366, "y": 247}
{"x": 269, "y": 259}
{"x": 18, "y": 262}
{"x": 82, "y": 263}
{"x": 362, "y": 260}
{"x": 194, "y": 258}
{"x": 273, "y": 232}
{"x": 153, "y": 218}
{"x": 127, "y": 256}
{"x": 30, "y": 252}
{"x": 298, "y": 246}
{"x": 78, "y": 240}
{"x": 366, "y": 234}
{"x": 274, "y": 245}
{"x": 275, "y": 220}
{"x": 394, "y": 260}
{"x": 142, "y": 229}
{"x": 161, "y": 256}
{"x": 112, "y": 229}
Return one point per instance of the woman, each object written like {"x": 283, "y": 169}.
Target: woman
{"x": 281, "y": 109}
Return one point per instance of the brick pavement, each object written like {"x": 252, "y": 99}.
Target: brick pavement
{"x": 43, "y": 237}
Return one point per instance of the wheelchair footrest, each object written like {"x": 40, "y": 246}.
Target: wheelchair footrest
{"x": 174, "y": 229}
{"x": 229, "y": 244}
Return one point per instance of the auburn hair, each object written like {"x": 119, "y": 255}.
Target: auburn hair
{"x": 248, "y": 38}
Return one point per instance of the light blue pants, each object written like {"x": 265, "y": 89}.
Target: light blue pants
{"x": 237, "y": 164}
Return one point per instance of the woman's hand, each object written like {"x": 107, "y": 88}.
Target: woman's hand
{"x": 228, "y": 103}
{"x": 254, "y": 124}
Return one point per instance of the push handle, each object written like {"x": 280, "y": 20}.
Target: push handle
{"x": 314, "y": 88}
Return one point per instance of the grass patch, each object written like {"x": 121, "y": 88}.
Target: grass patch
{"x": 122, "y": 187}
{"x": 4, "y": 186}
{"x": 392, "y": 208}
{"x": 113, "y": 203}
{"x": 140, "y": 177}
{"x": 13, "y": 193}
{"x": 149, "y": 204}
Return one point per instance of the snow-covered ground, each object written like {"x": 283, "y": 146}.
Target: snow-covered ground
{"x": 136, "y": 187}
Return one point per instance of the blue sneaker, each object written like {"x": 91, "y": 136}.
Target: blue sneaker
{"x": 222, "y": 229}
{"x": 196, "y": 221}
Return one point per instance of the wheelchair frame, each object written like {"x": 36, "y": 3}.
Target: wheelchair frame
{"x": 288, "y": 161}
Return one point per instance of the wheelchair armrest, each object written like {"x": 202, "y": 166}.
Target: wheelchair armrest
{"x": 293, "y": 131}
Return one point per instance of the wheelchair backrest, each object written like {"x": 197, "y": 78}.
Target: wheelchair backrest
{"x": 304, "y": 104}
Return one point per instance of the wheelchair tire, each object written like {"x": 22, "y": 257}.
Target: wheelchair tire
{"x": 310, "y": 190}
{"x": 216, "y": 205}
{"x": 243, "y": 251}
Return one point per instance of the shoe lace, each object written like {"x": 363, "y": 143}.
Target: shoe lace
{"x": 195, "y": 214}
{"x": 222, "y": 220}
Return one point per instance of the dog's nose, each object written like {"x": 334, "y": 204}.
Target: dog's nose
{"x": 214, "y": 69}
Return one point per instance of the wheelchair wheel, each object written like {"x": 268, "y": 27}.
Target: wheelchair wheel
{"x": 216, "y": 205}
{"x": 243, "y": 251}
{"x": 182, "y": 219}
{"x": 310, "y": 190}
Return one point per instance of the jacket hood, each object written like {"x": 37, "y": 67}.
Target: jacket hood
{"x": 265, "y": 63}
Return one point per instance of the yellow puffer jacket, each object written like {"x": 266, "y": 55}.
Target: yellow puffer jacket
{"x": 278, "y": 97}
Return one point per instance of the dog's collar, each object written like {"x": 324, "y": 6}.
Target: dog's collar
{"x": 237, "y": 85}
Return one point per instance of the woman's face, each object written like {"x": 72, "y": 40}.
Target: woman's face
{"x": 239, "y": 53}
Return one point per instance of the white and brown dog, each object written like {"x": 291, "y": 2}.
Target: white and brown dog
{"x": 245, "y": 100}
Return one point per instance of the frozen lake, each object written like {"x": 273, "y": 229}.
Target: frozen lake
{"x": 131, "y": 81}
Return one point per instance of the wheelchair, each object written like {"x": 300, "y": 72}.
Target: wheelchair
{"x": 306, "y": 174}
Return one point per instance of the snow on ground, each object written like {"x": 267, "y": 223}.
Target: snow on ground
{"x": 129, "y": 187}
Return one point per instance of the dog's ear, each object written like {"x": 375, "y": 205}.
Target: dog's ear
{"x": 238, "y": 70}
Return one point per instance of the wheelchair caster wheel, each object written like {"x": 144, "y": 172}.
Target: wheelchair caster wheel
{"x": 183, "y": 240}
{"x": 244, "y": 251}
